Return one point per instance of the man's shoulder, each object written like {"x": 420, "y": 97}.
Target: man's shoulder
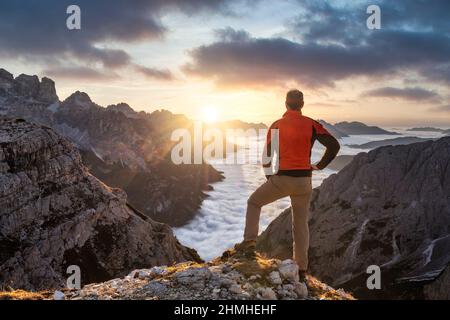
{"x": 275, "y": 123}
{"x": 313, "y": 121}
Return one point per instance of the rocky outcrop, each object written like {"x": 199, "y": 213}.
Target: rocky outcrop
{"x": 340, "y": 162}
{"x": 53, "y": 214}
{"x": 230, "y": 277}
{"x": 28, "y": 86}
{"x": 438, "y": 289}
{"x": 389, "y": 207}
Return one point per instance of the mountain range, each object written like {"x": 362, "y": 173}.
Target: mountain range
{"x": 344, "y": 129}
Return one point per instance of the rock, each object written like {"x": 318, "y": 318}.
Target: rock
{"x": 439, "y": 288}
{"x": 275, "y": 278}
{"x": 47, "y": 91}
{"x": 6, "y": 75}
{"x": 27, "y": 86}
{"x": 235, "y": 288}
{"x": 289, "y": 270}
{"x": 156, "y": 288}
{"x": 301, "y": 290}
{"x": 55, "y": 214}
{"x": 193, "y": 277}
{"x": 179, "y": 282}
{"x": 226, "y": 282}
{"x": 58, "y": 295}
{"x": 267, "y": 294}
{"x": 388, "y": 207}
{"x": 340, "y": 162}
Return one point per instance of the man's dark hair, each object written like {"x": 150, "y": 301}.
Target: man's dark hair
{"x": 294, "y": 99}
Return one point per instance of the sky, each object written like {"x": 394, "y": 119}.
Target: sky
{"x": 236, "y": 59}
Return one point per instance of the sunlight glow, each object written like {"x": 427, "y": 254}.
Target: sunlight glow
{"x": 210, "y": 114}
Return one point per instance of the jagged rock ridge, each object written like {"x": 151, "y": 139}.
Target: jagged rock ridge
{"x": 53, "y": 214}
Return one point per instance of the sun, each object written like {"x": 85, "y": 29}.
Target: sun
{"x": 210, "y": 114}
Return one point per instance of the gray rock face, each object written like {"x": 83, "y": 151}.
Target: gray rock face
{"x": 53, "y": 214}
{"x": 340, "y": 162}
{"x": 389, "y": 207}
{"x": 47, "y": 91}
{"x": 27, "y": 85}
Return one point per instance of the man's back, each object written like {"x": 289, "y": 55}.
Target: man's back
{"x": 297, "y": 134}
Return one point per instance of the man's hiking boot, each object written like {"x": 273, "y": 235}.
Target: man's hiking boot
{"x": 246, "y": 248}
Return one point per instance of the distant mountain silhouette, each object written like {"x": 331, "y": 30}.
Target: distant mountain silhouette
{"x": 357, "y": 128}
{"x": 389, "y": 142}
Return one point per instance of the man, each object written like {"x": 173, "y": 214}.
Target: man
{"x": 296, "y": 136}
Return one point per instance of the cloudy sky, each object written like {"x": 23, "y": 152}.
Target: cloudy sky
{"x": 238, "y": 57}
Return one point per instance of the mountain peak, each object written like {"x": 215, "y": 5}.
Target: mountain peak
{"x": 78, "y": 99}
{"x": 28, "y": 86}
{"x": 6, "y": 75}
{"x": 123, "y": 108}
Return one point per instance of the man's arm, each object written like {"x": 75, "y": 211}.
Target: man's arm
{"x": 329, "y": 142}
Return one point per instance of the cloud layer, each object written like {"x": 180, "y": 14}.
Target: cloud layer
{"x": 332, "y": 43}
{"x": 37, "y": 29}
{"x": 412, "y": 94}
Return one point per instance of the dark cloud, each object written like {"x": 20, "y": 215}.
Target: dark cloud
{"x": 160, "y": 74}
{"x": 440, "y": 73}
{"x": 411, "y": 94}
{"x": 81, "y": 73}
{"x": 330, "y": 43}
{"x": 243, "y": 60}
{"x": 345, "y": 22}
{"x": 38, "y": 28}
{"x": 229, "y": 34}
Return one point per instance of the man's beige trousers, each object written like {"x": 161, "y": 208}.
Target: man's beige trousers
{"x": 299, "y": 189}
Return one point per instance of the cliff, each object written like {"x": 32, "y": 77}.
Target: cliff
{"x": 54, "y": 213}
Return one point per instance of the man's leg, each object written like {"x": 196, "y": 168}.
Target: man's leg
{"x": 300, "y": 229}
{"x": 272, "y": 190}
